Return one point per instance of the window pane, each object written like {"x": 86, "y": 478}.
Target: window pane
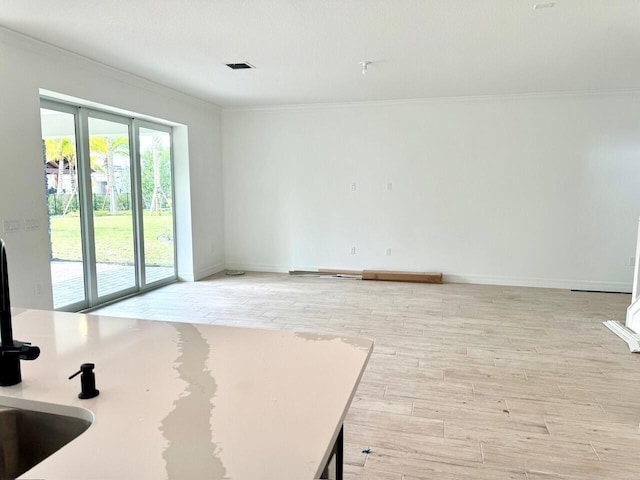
{"x": 110, "y": 162}
{"x": 63, "y": 206}
{"x": 157, "y": 200}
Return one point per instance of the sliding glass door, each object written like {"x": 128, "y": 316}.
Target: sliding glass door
{"x": 112, "y": 228}
{"x": 109, "y": 193}
{"x": 62, "y": 195}
{"x": 157, "y": 202}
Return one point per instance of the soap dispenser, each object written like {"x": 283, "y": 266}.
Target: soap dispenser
{"x": 87, "y": 381}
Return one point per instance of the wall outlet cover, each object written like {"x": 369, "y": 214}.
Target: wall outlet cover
{"x": 11, "y": 226}
{"x": 31, "y": 224}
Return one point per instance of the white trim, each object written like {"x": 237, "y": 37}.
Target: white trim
{"x": 208, "y": 271}
{"x": 201, "y": 273}
{"x": 624, "y": 333}
{"x": 257, "y": 268}
{"x": 539, "y": 282}
{"x": 636, "y": 269}
{"x": 633, "y": 316}
{"x": 427, "y": 100}
{"x": 566, "y": 284}
{"x": 186, "y": 277}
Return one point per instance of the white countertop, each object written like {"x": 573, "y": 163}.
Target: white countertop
{"x": 182, "y": 400}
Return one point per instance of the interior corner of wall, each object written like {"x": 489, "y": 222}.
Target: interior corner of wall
{"x": 186, "y": 277}
{"x": 203, "y": 273}
{"x": 183, "y": 211}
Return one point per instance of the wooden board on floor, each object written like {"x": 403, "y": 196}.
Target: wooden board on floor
{"x": 333, "y": 271}
{"x": 326, "y": 273}
{"x": 416, "y": 277}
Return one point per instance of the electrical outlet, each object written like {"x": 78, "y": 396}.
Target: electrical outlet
{"x": 11, "y": 226}
{"x": 353, "y": 250}
{"x": 387, "y": 252}
{"x": 38, "y": 290}
{"x": 354, "y": 187}
{"x": 632, "y": 261}
{"x": 389, "y": 186}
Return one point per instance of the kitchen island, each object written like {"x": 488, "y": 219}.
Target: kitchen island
{"x": 180, "y": 400}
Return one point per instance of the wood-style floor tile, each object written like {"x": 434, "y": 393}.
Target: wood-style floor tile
{"x": 466, "y": 381}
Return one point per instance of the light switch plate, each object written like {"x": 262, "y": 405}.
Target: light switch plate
{"x": 31, "y": 224}
{"x": 10, "y": 226}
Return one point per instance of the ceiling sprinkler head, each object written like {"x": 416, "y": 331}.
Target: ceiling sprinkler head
{"x": 364, "y": 64}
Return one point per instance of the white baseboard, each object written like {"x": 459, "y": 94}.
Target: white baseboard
{"x": 201, "y": 273}
{"x": 473, "y": 279}
{"x": 257, "y": 268}
{"x": 208, "y": 271}
{"x": 539, "y": 282}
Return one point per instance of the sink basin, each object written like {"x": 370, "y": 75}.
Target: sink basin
{"x": 28, "y": 436}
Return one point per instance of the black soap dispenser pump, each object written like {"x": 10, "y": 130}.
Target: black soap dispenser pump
{"x": 87, "y": 381}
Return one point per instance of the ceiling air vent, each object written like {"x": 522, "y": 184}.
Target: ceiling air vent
{"x": 239, "y": 66}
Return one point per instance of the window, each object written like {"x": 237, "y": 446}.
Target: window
{"x": 109, "y": 195}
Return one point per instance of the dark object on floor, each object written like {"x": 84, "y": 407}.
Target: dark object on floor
{"x": 234, "y": 273}
{"x": 599, "y": 291}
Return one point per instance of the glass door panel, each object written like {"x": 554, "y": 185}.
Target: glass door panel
{"x": 109, "y": 196}
{"x": 157, "y": 204}
{"x": 113, "y": 226}
{"x": 63, "y": 206}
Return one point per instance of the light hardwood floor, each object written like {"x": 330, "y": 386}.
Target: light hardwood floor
{"x": 465, "y": 382}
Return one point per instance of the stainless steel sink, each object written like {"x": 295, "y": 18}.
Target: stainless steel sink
{"x": 29, "y": 436}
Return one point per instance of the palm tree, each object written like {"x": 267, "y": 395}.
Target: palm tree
{"x": 158, "y": 193}
{"x": 104, "y": 149}
{"x": 61, "y": 150}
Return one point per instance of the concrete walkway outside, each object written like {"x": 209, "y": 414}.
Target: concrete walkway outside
{"x": 68, "y": 280}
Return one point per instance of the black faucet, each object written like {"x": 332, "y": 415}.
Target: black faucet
{"x": 11, "y": 351}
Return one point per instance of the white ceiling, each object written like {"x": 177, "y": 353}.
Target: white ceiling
{"x": 308, "y": 51}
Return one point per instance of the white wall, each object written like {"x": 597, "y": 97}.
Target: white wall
{"x": 528, "y": 190}
{"x": 27, "y": 66}
{"x": 538, "y": 190}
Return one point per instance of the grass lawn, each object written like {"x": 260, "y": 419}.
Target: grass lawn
{"x": 114, "y": 239}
